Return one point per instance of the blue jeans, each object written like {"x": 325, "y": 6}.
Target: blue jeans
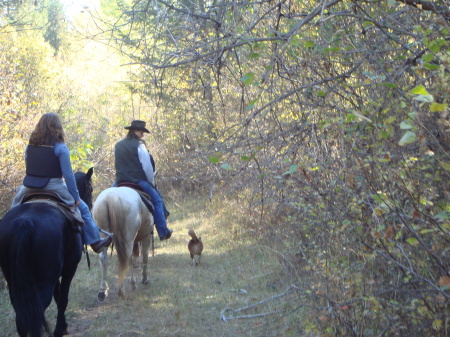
{"x": 158, "y": 204}
{"x": 90, "y": 232}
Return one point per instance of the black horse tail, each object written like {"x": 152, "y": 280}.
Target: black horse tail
{"x": 23, "y": 289}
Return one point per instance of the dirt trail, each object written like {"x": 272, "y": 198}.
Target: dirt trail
{"x": 181, "y": 300}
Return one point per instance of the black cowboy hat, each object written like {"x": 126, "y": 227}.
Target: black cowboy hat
{"x": 137, "y": 125}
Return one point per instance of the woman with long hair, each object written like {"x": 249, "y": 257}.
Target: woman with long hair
{"x": 47, "y": 161}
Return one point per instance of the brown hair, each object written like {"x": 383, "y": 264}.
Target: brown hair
{"x": 48, "y": 130}
{"x": 132, "y": 135}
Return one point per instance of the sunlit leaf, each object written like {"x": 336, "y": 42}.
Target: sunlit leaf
{"x": 320, "y": 93}
{"x": 434, "y": 47}
{"x": 428, "y": 57}
{"x": 308, "y": 44}
{"x": 424, "y": 98}
{"x": 437, "y": 107}
{"x": 214, "y": 159}
{"x": 419, "y": 90}
{"x": 380, "y": 197}
{"x": 389, "y": 85}
{"x": 251, "y": 105}
{"x": 412, "y": 115}
{"x": 408, "y": 138}
{"x": 291, "y": 170}
{"x": 226, "y": 166}
{"x": 426, "y": 231}
{"x": 245, "y": 158}
{"x": 350, "y": 118}
{"x": 412, "y": 241}
{"x": 248, "y": 78}
{"x": 295, "y": 42}
{"x": 405, "y": 125}
{"x": 437, "y": 324}
{"x": 431, "y": 66}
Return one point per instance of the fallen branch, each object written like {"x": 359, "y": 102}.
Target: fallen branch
{"x": 229, "y": 318}
{"x": 224, "y": 318}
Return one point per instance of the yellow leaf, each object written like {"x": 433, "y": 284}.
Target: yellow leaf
{"x": 437, "y": 324}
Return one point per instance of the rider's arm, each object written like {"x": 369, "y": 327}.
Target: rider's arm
{"x": 63, "y": 154}
{"x": 144, "y": 158}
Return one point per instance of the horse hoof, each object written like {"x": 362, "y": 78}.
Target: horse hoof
{"x": 101, "y": 296}
{"x": 145, "y": 282}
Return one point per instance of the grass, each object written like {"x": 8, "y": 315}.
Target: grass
{"x": 181, "y": 300}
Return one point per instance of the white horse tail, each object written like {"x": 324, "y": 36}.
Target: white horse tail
{"x": 109, "y": 215}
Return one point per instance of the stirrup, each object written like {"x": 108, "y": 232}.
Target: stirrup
{"x": 105, "y": 232}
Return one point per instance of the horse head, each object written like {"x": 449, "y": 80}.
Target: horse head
{"x": 84, "y": 184}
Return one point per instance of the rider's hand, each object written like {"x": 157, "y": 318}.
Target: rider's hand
{"x": 77, "y": 203}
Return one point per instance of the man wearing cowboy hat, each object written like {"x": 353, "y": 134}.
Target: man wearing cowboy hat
{"x": 133, "y": 164}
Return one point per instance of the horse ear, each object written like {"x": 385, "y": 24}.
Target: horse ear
{"x": 89, "y": 173}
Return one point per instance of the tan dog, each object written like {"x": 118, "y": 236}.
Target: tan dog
{"x": 195, "y": 247}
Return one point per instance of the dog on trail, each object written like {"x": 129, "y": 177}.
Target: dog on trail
{"x": 195, "y": 247}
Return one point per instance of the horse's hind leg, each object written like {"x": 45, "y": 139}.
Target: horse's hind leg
{"x": 103, "y": 292}
{"x": 145, "y": 249}
{"x": 132, "y": 266}
{"x": 123, "y": 269}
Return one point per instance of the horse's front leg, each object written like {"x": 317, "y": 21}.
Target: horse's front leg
{"x": 145, "y": 249}
{"x": 103, "y": 292}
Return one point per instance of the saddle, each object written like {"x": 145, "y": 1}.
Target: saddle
{"x": 50, "y": 198}
{"x": 148, "y": 203}
{"x": 144, "y": 196}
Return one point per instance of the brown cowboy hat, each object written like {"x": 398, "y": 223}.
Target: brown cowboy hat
{"x": 137, "y": 125}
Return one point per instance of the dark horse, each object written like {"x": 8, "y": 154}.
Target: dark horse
{"x": 39, "y": 255}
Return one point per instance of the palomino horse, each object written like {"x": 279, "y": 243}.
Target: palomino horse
{"x": 120, "y": 210}
{"x": 39, "y": 255}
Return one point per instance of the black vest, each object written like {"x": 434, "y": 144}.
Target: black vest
{"x": 128, "y": 166}
{"x": 41, "y": 165}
